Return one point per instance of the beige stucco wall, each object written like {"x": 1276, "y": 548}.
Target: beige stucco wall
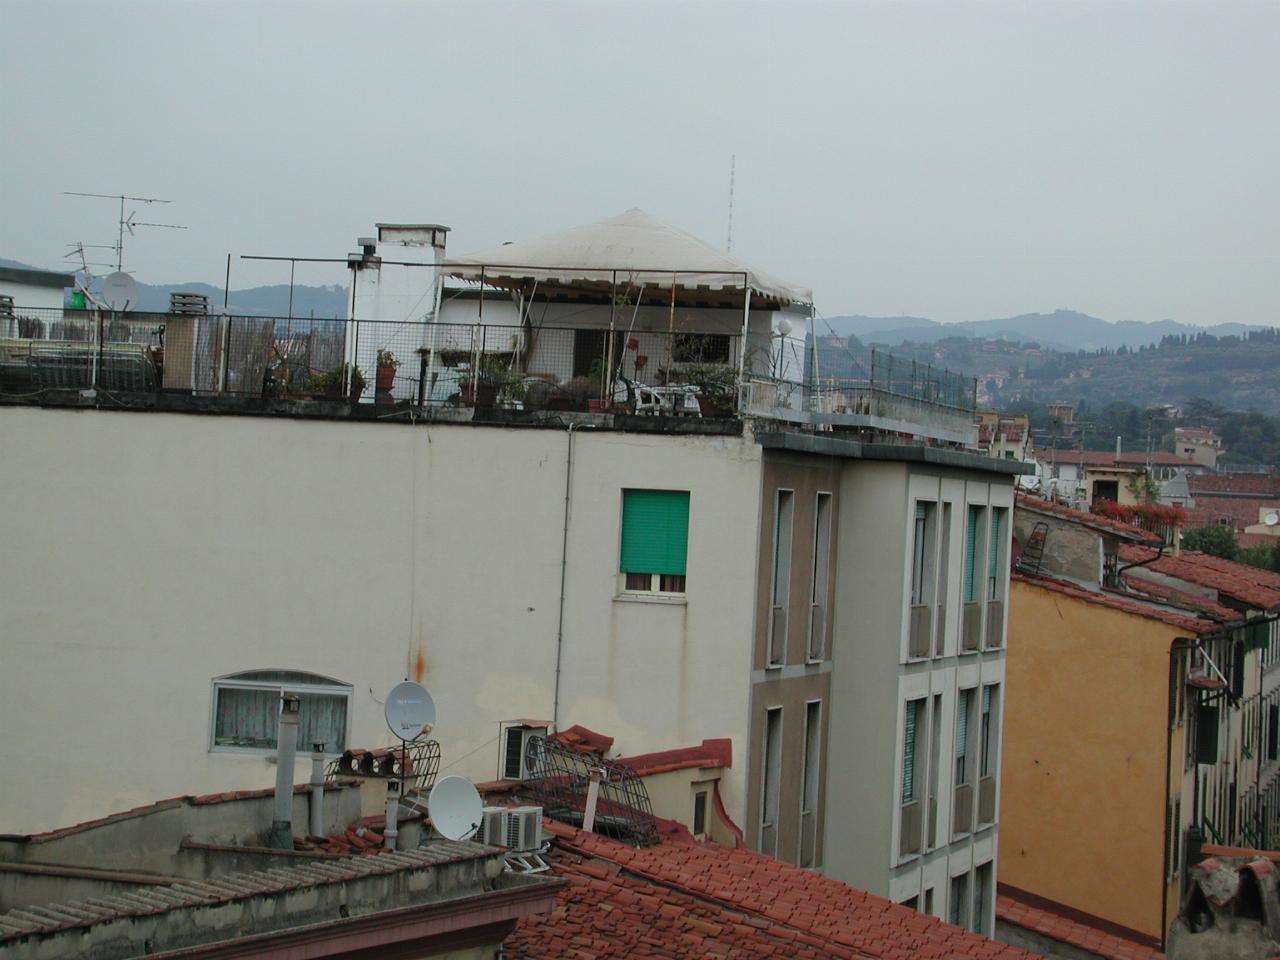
{"x": 146, "y": 554}
{"x": 1083, "y": 793}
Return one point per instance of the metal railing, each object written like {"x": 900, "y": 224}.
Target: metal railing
{"x": 529, "y": 367}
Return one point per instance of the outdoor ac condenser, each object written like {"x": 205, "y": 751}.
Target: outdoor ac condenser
{"x": 524, "y": 829}
{"x": 493, "y": 827}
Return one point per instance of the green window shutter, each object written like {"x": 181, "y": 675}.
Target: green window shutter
{"x": 993, "y": 548}
{"x": 909, "y": 753}
{"x": 920, "y": 510}
{"x": 986, "y": 700}
{"x": 655, "y": 531}
{"x": 962, "y": 724}
{"x": 970, "y": 546}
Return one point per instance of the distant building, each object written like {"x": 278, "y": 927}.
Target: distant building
{"x": 38, "y": 289}
{"x": 1082, "y": 477}
{"x": 1201, "y": 445}
{"x": 1005, "y": 435}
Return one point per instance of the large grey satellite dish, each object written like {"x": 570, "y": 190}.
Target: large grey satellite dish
{"x": 455, "y": 808}
{"x": 119, "y": 291}
{"x": 410, "y": 711}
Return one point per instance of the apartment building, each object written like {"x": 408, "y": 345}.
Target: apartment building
{"x": 817, "y": 573}
{"x": 1136, "y": 719}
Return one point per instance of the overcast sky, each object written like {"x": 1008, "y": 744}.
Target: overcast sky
{"x": 954, "y": 160}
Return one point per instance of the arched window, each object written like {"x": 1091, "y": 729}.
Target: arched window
{"x": 246, "y": 710}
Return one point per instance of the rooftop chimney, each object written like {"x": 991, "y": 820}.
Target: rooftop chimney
{"x": 281, "y": 836}
{"x": 317, "y": 789}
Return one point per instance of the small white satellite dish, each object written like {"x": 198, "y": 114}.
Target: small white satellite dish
{"x": 455, "y": 808}
{"x": 1271, "y": 519}
{"x": 410, "y": 711}
{"x": 119, "y": 291}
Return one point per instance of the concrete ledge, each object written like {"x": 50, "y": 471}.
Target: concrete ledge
{"x": 908, "y": 452}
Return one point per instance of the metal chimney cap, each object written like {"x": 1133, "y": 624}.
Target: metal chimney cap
{"x": 290, "y": 704}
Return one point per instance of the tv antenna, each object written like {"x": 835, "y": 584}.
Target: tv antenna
{"x": 126, "y": 222}
{"x": 733, "y": 162}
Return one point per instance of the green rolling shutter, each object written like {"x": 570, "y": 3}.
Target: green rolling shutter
{"x": 655, "y": 531}
{"x": 962, "y": 724}
{"x": 909, "y": 753}
{"x": 970, "y": 546}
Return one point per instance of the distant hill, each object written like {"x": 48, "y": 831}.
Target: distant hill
{"x": 1060, "y": 330}
{"x": 271, "y": 301}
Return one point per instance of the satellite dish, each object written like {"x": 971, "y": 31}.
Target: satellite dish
{"x": 782, "y": 326}
{"x": 455, "y": 808}
{"x": 119, "y": 291}
{"x": 1271, "y": 519}
{"x": 410, "y": 711}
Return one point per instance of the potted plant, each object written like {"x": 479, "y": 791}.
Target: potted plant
{"x": 386, "y": 373}
{"x": 717, "y": 387}
{"x": 328, "y": 384}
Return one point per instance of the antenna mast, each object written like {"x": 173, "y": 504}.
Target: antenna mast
{"x": 126, "y": 223}
{"x": 733, "y": 162}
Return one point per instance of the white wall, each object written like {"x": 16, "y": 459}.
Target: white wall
{"x": 29, "y": 295}
{"x": 146, "y": 554}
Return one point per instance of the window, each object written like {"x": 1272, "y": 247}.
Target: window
{"x": 1273, "y": 730}
{"x": 784, "y": 508}
{"x": 772, "y": 782}
{"x": 944, "y": 552}
{"x": 588, "y": 352}
{"x": 935, "y": 762}
{"x": 971, "y": 553}
{"x": 987, "y": 733}
{"x": 655, "y": 540}
{"x": 910, "y": 756}
{"x": 982, "y": 899}
{"x": 246, "y": 710}
{"x": 958, "y": 909}
{"x": 920, "y": 551}
{"x": 928, "y": 901}
{"x": 995, "y": 549}
{"x": 821, "y": 578}
{"x": 700, "y": 813}
{"x": 963, "y": 769}
{"x": 809, "y": 784}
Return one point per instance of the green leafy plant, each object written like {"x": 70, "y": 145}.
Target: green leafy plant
{"x": 330, "y": 382}
{"x": 1212, "y": 539}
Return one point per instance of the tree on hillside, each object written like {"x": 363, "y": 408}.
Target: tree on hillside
{"x": 1212, "y": 539}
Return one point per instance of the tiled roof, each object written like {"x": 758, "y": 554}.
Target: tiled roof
{"x": 1163, "y": 593}
{"x": 582, "y": 740}
{"x": 1194, "y": 433}
{"x": 364, "y": 836}
{"x": 1107, "y": 458}
{"x": 685, "y": 899}
{"x": 1257, "y": 588}
{"x": 1096, "y": 521}
{"x": 230, "y": 887}
{"x": 1116, "y": 602}
{"x": 1073, "y": 932}
{"x": 1225, "y": 484}
{"x": 712, "y": 753}
{"x": 1242, "y": 511}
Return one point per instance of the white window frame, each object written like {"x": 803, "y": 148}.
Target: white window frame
{"x": 233, "y": 681}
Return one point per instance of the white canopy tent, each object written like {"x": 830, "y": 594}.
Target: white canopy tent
{"x": 632, "y": 248}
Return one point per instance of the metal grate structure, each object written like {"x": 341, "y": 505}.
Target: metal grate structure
{"x": 415, "y": 765}
{"x": 559, "y": 780}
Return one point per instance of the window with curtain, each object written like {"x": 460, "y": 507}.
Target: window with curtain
{"x": 246, "y": 710}
{"x": 655, "y": 540}
{"x": 970, "y": 553}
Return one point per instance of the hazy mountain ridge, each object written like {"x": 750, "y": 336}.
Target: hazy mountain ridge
{"x": 1063, "y": 330}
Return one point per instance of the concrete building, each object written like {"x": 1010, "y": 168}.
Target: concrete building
{"x": 1201, "y": 445}
{"x": 813, "y": 561}
{"x": 1138, "y": 685}
{"x": 38, "y": 290}
{"x": 1005, "y": 435}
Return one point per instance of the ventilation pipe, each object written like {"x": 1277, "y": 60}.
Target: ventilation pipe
{"x": 1117, "y": 449}
{"x": 317, "y": 789}
{"x": 286, "y": 749}
{"x": 593, "y": 798}
{"x": 391, "y": 829}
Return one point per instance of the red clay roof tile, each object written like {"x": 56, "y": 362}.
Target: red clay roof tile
{"x": 1252, "y": 586}
{"x": 1096, "y": 521}
{"x": 1072, "y": 932}
{"x": 1116, "y": 602}
{"x": 712, "y": 753}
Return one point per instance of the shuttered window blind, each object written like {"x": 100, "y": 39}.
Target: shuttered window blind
{"x": 993, "y": 549}
{"x": 655, "y": 531}
{"x": 909, "y": 752}
{"x": 970, "y": 546}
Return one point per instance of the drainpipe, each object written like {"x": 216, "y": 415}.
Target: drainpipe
{"x": 281, "y": 836}
{"x": 564, "y": 567}
{"x": 317, "y": 789}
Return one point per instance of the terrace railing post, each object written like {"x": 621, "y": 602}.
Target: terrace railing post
{"x": 224, "y": 362}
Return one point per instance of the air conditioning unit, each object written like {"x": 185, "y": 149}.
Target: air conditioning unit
{"x": 493, "y": 827}
{"x": 524, "y": 829}
{"x": 514, "y": 763}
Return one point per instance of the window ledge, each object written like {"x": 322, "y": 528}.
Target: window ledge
{"x": 674, "y": 599}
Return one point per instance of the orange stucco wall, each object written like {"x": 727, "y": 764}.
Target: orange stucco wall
{"x": 1083, "y": 777}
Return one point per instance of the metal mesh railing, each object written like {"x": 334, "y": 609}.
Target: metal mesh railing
{"x": 525, "y": 367}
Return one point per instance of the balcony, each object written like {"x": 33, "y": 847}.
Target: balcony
{"x": 514, "y": 368}
{"x": 970, "y": 626}
{"x": 995, "y": 625}
{"x": 909, "y": 830}
{"x": 986, "y": 800}
{"x": 920, "y": 633}
{"x": 962, "y": 810}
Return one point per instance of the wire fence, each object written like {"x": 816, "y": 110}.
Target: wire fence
{"x": 528, "y": 367}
